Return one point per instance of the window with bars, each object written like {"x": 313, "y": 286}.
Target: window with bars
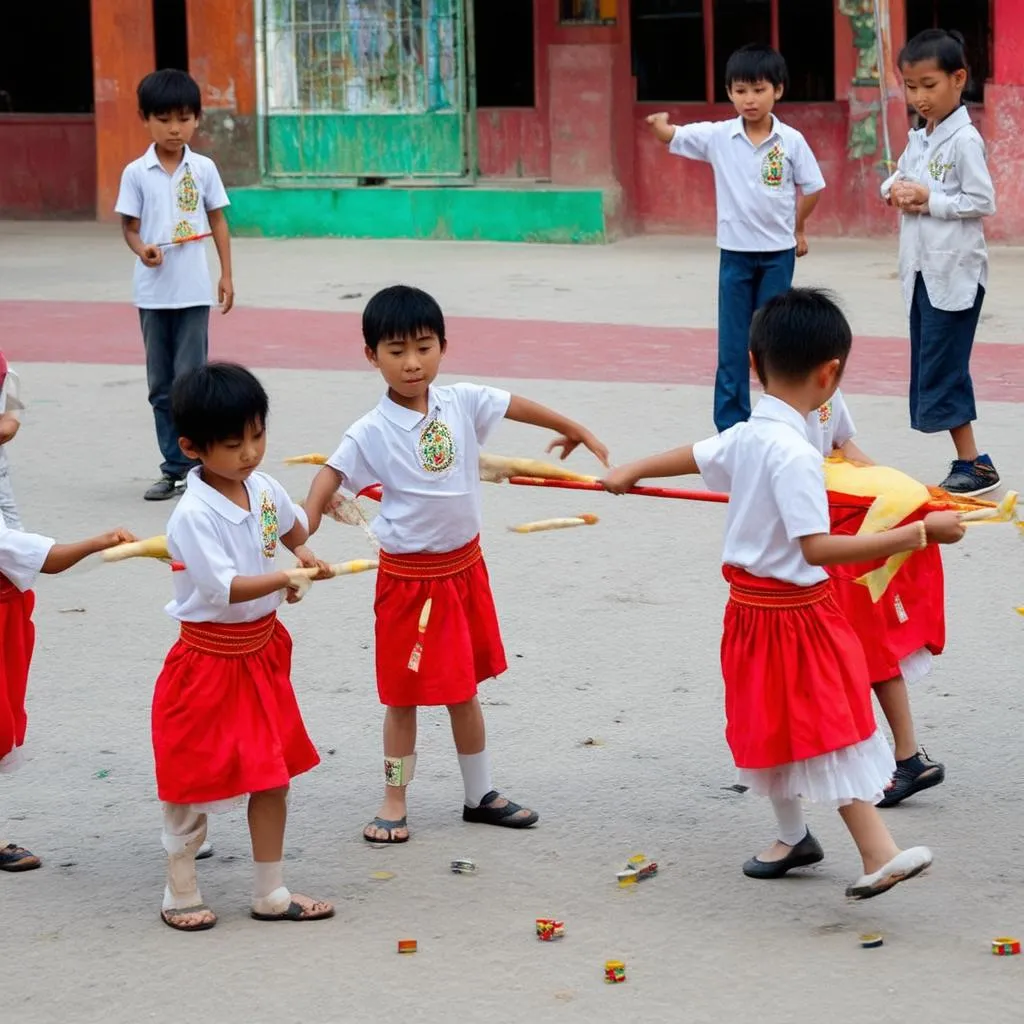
{"x": 680, "y": 47}
{"x": 363, "y": 56}
{"x": 972, "y": 18}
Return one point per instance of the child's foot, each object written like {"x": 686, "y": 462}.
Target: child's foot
{"x": 912, "y": 775}
{"x": 904, "y": 865}
{"x": 495, "y": 809}
{"x": 17, "y": 858}
{"x": 165, "y": 488}
{"x": 282, "y": 905}
{"x": 387, "y": 830}
{"x": 780, "y": 858}
{"x": 199, "y": 918}
{"x": 971, "y": 478}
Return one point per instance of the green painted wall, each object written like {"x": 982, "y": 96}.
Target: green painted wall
{"x": 366, "y": 145}
{"x": 460, "y": 213}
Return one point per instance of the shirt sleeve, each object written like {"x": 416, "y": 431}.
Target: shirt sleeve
{"x": 350, "y": 462}
{"x": 806, "y": 173}
{"x": 693, "y": 140}
{"x": 710, "y": 456}
{"x": 844, "y": 428}
{"x": 129, "y": 197}
{"x": 215, "y": 196}
{"x": 799, "y": 490}
{"x": 10, "y": 395}
{"x": 977, "y": 196}
{"x": 193, "y": 539}
{"x": 486, "y": 406}
{"x": 22, "y": 555}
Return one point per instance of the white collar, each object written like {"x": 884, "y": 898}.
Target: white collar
{"x": 771, "y": 408}
{"x": 960, "y": 118}
{"x": 738, "y": 129}
{"x": 224, "y": 507}
{"x": 151, "y": 160}
{"x": 405, "y": 418}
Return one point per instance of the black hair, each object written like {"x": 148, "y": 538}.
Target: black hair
{"x": 169, "y": 91}
{"x": 401, "y": 312}
{"x": 796, "y": 332}
{"x": 216, "y": 402}
{"x": 947, "y": 49}
{"x": 756, "y": 62}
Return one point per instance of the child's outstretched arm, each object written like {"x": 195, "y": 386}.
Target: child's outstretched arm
{"x": 677, "y": 462}
{"x": 522, "y": 410}
{"x": 324, "y": 486}
{"x": 833, "y": 549}
{"x": 688, "y": 140}
{"x": 64, "y": 556}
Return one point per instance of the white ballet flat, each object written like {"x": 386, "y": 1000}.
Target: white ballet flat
{"x": 904, "y": 865}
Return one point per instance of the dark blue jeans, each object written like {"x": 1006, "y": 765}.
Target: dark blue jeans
{"x": 176, "y": 340}
{"x": 941, "y": 389}
{"x": 746, "y": 281}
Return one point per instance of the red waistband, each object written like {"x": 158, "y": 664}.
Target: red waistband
{"x": 761, "y": 592}
{"x": 430, "y": 566}
{"x": 229, "y": 639}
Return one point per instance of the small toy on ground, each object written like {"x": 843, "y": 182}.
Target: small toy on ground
{"x": 406, "y": 945}
{"x": 1005, "y": 946}
{"x": 614, "y": 972}
{"x": 637, "y": 869}
{"x": 549, "y": 929}
{"x": 463, "y": 866}
{"x": 871, "y": 941}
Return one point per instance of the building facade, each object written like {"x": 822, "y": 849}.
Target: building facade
{"x": 490, "y": 119}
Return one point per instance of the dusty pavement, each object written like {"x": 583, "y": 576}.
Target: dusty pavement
{"x": 612, "y": 635}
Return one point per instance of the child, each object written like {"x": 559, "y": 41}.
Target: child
{"x": 10, "y": 423}
{"x": 23, "y": 556}
{"x": 437, "y": 632}
{"x": 759, "y": 164}
{"x": 943, "y": 189}
{"x": 169, "y": 196}
{"x": 225, "y": 721}
{"x": 899, "y": 633}
{"x": 797, "y": 695}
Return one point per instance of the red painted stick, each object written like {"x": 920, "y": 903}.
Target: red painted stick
{"x": 650, "y": 492}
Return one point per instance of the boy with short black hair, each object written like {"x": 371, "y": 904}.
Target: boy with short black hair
{"x": 170, "y": 200}
{"x": 759, "y": 165}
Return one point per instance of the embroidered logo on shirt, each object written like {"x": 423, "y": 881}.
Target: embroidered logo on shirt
{"x": 183, "y": 229}
{"x": 436, "y": 447}
{"x": 772, "y": 166}
{"x": 268, "y": 524}
{"x": 937, "y": 169}
{"x": 825, "y": 412}
{"x": 188, "y": 193}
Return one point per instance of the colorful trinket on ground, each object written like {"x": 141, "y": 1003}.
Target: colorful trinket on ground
{"x": 406, "y": 945}
{"x": 549, "y": 929}
{"x": 1005, "y": 946}
{"x": 614, "y": 972}
{"x": 643, "y": 867}
{"x": 463, "y": 866}
{"x": 626, "y": 877}
{"x": 871, "y": 941}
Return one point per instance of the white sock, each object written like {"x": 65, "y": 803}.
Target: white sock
{"x": 790, "y": 816}
{"x": 268, "y": 876}
{"x": 476, "y": 776}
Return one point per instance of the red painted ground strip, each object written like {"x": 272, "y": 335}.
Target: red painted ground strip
{"x": 101, "y": 332}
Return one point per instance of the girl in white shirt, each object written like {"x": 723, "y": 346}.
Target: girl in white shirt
{"x": 943, "y": 189}
{"x": 797, "y": 695}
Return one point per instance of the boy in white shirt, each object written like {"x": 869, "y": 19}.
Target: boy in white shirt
{"x": 437, "y": 633}
{"x": 797, "y": 694}
{"x": 170, "y": 199}
{"x": 759, "y": 164}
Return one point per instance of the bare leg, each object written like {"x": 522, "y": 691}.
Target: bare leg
{"x": 871, "y": 835}
{"x": 399, "y": 741}
{"x": 268, "y": 813}
{"x": 468, "y": 728}
{"x": 894, "y": 701}
{"x": 963, "y": 440}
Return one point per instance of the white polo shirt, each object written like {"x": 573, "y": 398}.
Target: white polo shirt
{"x": 831, "y": 426}
{"x": 776, "y": 486}
{"x": 429, "y": 465}
{"x": 755, "y": 186}
{"x": 218, "y": 540}
{"x": 22, "y": 555}
{"x": 171, "y": 206}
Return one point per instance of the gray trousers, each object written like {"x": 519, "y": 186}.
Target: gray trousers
{"x": 176, "y": 340}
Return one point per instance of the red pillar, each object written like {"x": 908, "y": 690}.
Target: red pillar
{"x": 1004, "y": 113}
{"x": 123, "y": 52}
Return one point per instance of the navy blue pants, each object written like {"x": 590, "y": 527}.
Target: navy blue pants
{"x": 941, "y": 389}
{"x": 746, "y": 281}
{"x": 176, "y": 340}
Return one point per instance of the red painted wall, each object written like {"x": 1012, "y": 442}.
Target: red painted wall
{"x": 48, "y": 166}
{"x": 512, "y": 143}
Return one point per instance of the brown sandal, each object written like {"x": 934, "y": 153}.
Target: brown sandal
{"x": 172, "y": 917}
{"x": 297, "y": 912}
{"x": 17, "y": 858}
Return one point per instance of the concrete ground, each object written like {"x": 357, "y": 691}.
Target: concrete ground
{"x": 612, "y": 634}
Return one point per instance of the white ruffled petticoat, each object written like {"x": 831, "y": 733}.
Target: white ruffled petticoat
{"x": 12, "y": 761}
{"x": 914, "y": 667}
{"x": 858, "y": 772}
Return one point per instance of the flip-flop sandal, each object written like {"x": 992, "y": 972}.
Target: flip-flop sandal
{"x": 485, "y": 814}
{"x": 295, "y": 912}
{"x": 17, "y": 858}
{"x": 382, "y": 824}
{"x": 171, "y": 916}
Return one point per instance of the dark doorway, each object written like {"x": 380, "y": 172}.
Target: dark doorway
{"x": 503, "y": 48}
{"x": 170, "y": 34}
{"x": 968, "y": 17}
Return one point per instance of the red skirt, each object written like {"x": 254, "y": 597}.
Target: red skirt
{"x": 910, "y": 615}
{"x": 225, "y": 719}
{"x": 796, "y": 683}
{"x": 461, "y": 644}
{"x": 17, "y": 640}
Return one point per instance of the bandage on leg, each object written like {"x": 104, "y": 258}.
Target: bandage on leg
{"x": 399, "y": 771}
{"x": 183, "y": 834}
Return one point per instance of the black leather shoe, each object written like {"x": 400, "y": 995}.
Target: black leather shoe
{"x": 808, "y": 851}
